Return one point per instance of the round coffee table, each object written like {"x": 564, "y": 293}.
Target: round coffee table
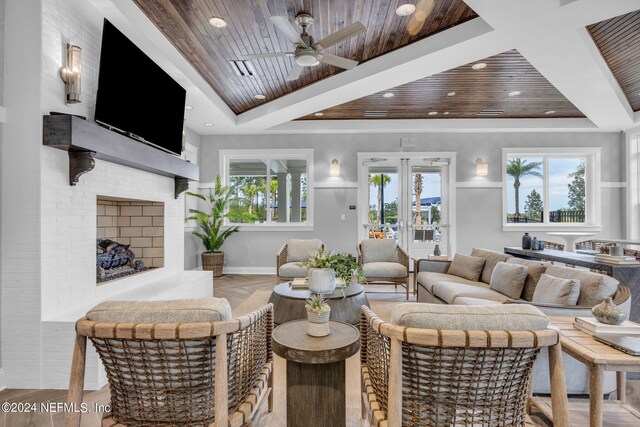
{"x": 288, "y": 304}
{"x": 315, "y": 372}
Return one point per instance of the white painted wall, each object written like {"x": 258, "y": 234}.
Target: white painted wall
{"x": 479, "y": 216}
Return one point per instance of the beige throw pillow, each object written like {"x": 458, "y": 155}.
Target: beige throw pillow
{"x": 508, "y": 279}
{"x": 491, "y": 259}
{"x": 467, "y": 267}
{"x": 535, "y": 269}
{"x": 554, "y": 290}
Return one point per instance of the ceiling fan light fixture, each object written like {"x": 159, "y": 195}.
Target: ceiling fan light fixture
{"x": 405, "y": 9}
{"x": 307, "y": 58}
{"x": 218, "y": 22}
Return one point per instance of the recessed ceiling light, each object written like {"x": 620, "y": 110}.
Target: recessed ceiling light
{"x": 218, "y": 22}
{"x": 446, "y": 113}
{"x": 260, "y": 97}
{"x": 432, "y": 113}
{"x": 405, "y": 9}
{"x": 451, "y": 93}
{"x": 188, "y": 107}
{"x": 515, "y": 93}
{"x": 479, "y": 66}
{"x": 319, "y": 114}
{"x": 388, "y": 95}
{"x": 550, "y": 112}
{"x": 208, "y": 124}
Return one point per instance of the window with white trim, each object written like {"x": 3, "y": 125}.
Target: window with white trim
{"x": 551, "y": 188}
{"x": 269, "y": 187}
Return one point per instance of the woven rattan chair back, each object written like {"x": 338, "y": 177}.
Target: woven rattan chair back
{"x": 181, "y": 374}
{"x": 419, "y": 377}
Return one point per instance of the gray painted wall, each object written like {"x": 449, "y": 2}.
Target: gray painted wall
{"x": 479, "y": 216}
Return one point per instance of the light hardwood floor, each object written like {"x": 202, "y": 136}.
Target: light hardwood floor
{"x": 237, "y": 289}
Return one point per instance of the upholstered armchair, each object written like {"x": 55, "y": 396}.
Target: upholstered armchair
{"x": 456, "y": 365}
{"x": 291, "y": 253}
{"x": 382, "y": 260}
{"x": 183, "y": 362}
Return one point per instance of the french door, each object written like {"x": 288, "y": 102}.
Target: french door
{"x": 408, "y": 197}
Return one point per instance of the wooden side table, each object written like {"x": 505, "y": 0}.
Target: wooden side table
{"x": 315, "y": 372}
{"x": 598, "y": 357}
{"x": 288, "y": 304}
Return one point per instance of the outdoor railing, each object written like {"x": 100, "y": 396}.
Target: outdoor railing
{"x": 566, "y": 216}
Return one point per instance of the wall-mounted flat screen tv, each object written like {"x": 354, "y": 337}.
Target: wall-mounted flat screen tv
{"x": 136, "y": 96}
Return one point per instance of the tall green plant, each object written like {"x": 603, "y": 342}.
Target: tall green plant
{"x": 211, "y": 221}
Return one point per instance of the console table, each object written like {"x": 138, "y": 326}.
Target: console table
{"x": 627, "y": 274}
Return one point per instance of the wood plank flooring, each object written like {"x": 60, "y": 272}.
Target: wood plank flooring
{"x": 237, "y": 289}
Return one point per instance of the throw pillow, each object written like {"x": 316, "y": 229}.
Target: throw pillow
{"x": 554, "y": 290}
{"x": 535, "y": 270}
{"x": 467, "y": 267}
{"x": 508, "y": 279}
{"x": 491, "y": 259}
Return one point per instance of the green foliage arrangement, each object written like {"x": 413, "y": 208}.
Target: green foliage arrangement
{"x": 317, "y": 303}
{"x": 344, "y": 265}
{"x": 211, "y": 222}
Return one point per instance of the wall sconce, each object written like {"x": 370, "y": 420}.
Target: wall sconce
{"x": 482, "y": 169}
{"x": 334, "y": 169}
{"x": 71, "y": 74}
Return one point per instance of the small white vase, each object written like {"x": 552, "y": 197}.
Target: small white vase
{"x": 322, "y": 280}
{"x": 318, "y": 323}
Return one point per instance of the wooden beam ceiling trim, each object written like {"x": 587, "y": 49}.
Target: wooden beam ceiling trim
{"x": 249, "y": 31}
{"x": 475, "y": 91}
{"x": 619, "y": 42}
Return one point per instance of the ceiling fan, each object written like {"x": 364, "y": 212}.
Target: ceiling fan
{"x": 308, "y": 52}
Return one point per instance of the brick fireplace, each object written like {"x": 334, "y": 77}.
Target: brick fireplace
{"x": 136, "y": 223}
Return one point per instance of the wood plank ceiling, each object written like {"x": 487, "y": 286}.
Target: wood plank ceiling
{"x": 619, "y": 42}
{"x": 249, "y": 31}
{"x": 464, "y": 92}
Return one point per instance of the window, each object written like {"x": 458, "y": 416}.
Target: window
{"x": 551, "y": 188}
{"x": 269, "y": 188}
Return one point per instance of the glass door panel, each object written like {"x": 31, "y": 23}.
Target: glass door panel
{"x": 383, "y": 199}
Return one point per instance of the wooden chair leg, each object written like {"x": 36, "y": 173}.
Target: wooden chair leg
{"x": 76, "y": 381}
{"x": 221, "y": 384}
{"x": 559, "y": 401}
{"x": 270, "y": 398}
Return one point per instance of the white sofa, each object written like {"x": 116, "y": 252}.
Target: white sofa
{"x": 434, "y": 284}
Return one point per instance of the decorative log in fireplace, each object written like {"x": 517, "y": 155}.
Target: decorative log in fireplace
{"x": 114, "y": 259}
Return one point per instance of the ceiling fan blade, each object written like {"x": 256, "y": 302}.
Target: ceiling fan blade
{"x": 284, "y": 26}
{"x": 343, "y": 34}
{"x": 267, "y": 55}
{"x": 338, "y": 61}
{"x": 295, "y": 72}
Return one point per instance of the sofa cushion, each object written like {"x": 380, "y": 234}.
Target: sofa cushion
{"x": 449, "y": 291}
{"x": 384, "y": 269}
{"x": 428, "y": 278}
{"x": 594, "y": 287}
{"x": 172, "y": 311}
{"x": 508, "y": 279}
{"x": 491, "y": 259}
{"x": 379, "y": 250}
{"x": 555, "y": 290}
{"x": 299, "y": 250}
{"x": 534, "y": 271}
{"x": 467, "y": 267}
{"x": 292, "y": 269}
{"x": 475, "y": 301}
{"x": 512, "y": 317}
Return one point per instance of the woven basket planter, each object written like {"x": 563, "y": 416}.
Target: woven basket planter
{"x": 213, "y": 261}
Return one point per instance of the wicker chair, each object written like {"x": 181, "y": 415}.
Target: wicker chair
{"x": 427, "y": 377}
{"x": 179, "y": 373}
{"x": 392, "y": 267}
{"x": 286, "y": 262}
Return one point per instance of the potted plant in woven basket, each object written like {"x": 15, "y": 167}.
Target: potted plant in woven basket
{"x": 318, "y": 312}
{"x": 211, "y": 222}
{"x": 324, "y": 267}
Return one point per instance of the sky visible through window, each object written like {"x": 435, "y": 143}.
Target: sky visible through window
{"x": 559, "y": 170}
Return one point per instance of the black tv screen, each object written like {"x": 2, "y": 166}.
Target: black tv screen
{"x": 136, "y": 96}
